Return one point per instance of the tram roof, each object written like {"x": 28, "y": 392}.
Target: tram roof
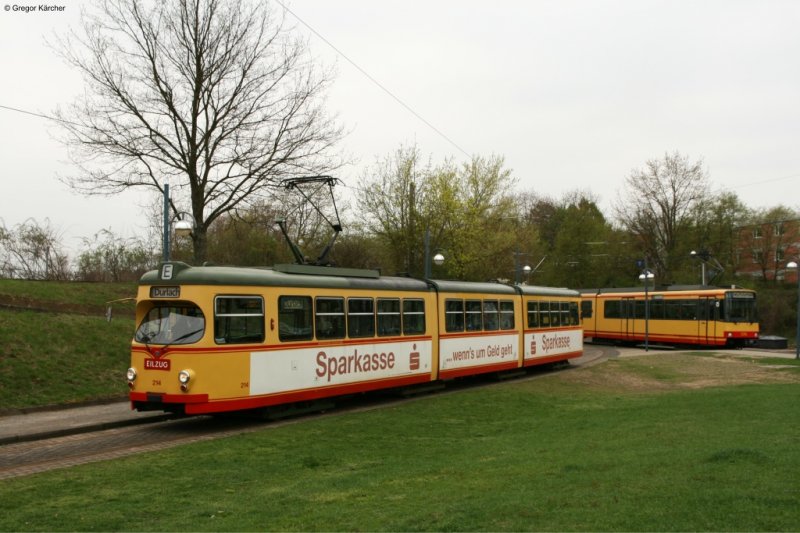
{"x": 663, "y": 288}
{"x": 472, "y": 286}
{"x": 536, "y": 290}
{"x": 281, "y": 276}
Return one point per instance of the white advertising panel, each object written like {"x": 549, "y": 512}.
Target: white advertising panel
{"x": 322, "y": 366}
{"x": 464, "y": 352}
{"x": 552, "y": 343}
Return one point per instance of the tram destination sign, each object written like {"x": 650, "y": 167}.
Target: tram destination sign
{"x": 165, "y": 292}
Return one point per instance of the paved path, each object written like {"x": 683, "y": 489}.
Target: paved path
{"x": 68, "y": 421}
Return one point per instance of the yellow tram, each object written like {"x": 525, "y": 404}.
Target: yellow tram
{"x": 677, "y": 315}
{"x": 215, "y": 339}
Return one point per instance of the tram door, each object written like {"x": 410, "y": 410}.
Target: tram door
{"x": 629, "y": 318}
{"x": 706, "y": 320}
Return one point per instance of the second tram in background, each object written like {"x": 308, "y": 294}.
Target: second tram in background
{"x": 677, "y": 315}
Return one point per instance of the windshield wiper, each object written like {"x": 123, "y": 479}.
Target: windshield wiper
{"x": 161, "y": 351}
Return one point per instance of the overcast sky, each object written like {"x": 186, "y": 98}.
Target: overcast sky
{"x": 574, "y": 94}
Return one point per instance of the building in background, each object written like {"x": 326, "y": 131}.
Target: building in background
{"x": 764, "y": 249}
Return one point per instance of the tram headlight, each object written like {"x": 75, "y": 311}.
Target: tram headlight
{"x": 185, "y": 377}
{"x": 131, "y": 375}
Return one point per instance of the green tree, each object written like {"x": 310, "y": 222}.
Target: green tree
{"x": 391, "y": 195}
{"x": 468, "y": 210}
{"x": 716, "y": 231}
{"x": 480, "y": 237}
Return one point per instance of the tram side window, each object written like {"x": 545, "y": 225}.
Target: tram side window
{"x": 573, "y": 313}
{"x": 238, "y": 319}
{"x": 474, "y": 318}
{"x": 491, "y": 321}
{"x": 657, "y": 309}
{"x": 454, "y": 315}
{"x": 672, "y": 310}
{"x": 329, "y": 318}
{"x": 705, "y": 309}
{"x": 586, "y": 309}
{"x": 294, "y": 318}
{"x": 612, "y": 309}
{"x": 413, "y": 317}
{"x": 533, "y": 314}
{"x": 689, "y": 309}
{"x": 388, "y": 317}
{"x": 555, "y": 314}
{"x": 506, "y": 315}
{"x": 360, "y": 317}
{"x": 565, "y": 318}
{"x": 544, "y": 315}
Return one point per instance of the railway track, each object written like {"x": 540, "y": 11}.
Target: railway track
{"x": 35, "y": 456}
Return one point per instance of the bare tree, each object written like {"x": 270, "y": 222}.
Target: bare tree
{"x": 32, "y": 251}
{"x": 657, "y": 208}
{"x": 215, "y": 96}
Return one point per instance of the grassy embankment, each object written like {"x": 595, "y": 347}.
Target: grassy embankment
{"x": 64, "y": 351}
{"x": 654, "y": 443}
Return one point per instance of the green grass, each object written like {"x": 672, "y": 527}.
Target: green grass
{"x": 53, "y": 358}
{"x": 69, "y": 355}
{"x": 568, "y": 452}
{"x": 66, "y": 292}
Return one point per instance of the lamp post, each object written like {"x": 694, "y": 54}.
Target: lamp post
{"x": 526, "y": 269}
{"x": 181, "y": 225}
{"x": 704, "y": 256}
{"x": 646, "y": 276}
{"x": 792, "y": 265}
{"x": 438, "y": 258}
{"x": 165, "y": 240}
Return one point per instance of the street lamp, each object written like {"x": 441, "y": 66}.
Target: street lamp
{"x": 792, "y": 265}
{"x": 438, "y": 258}
{"x": 646, "y": 276}
{"x": 526, "y": 269}
{"x": 703, "y": 255}
{"x": 182, "y": 227}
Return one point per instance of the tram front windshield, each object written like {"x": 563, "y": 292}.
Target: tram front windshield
{"x": 171, "y": 324}
{"x": 740, "y": 307}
